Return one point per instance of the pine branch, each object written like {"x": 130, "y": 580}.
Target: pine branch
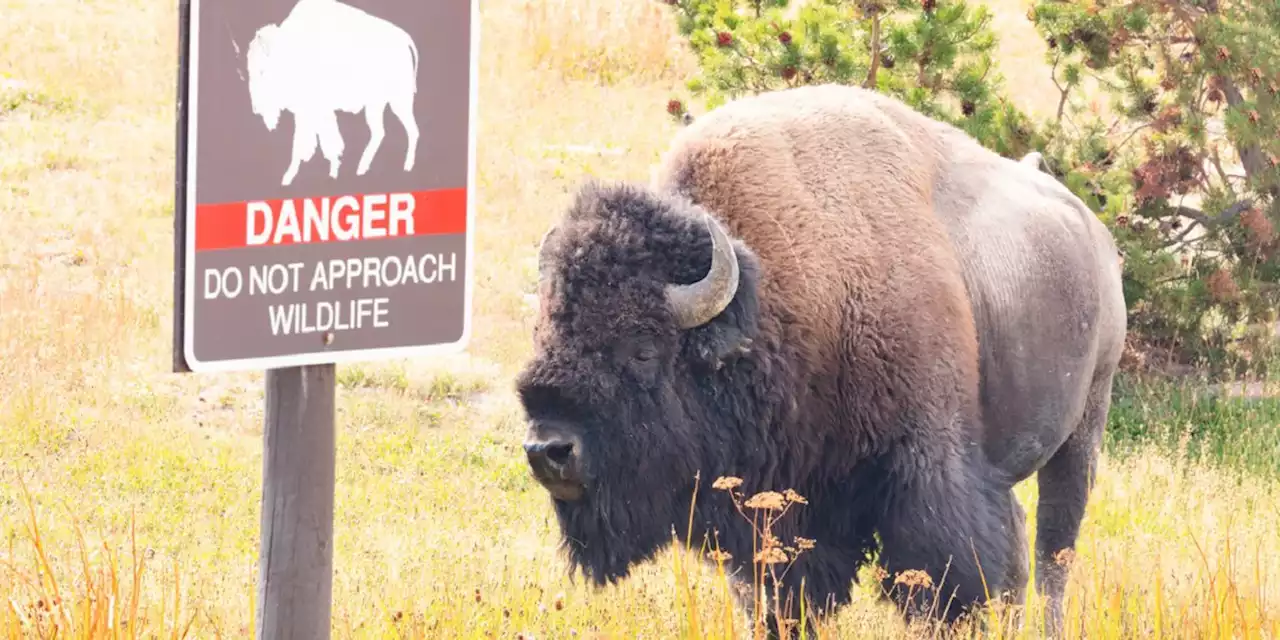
{"x": 1227, "y": 215}
{"x": 870, "y": 82}
{"x": 1062, "y": 93}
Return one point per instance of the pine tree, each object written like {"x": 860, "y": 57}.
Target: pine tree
{"x": 935, "y": 55}
{"x": 1184, "y": 168}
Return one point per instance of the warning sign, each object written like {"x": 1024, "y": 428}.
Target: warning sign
{"x": 325, "y": 181}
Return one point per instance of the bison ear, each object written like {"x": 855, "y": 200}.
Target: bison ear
{"x": 729, "y": 335}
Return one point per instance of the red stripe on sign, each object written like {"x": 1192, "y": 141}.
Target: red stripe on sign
{"x": 369, "y": 216}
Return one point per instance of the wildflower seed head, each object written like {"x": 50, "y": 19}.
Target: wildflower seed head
{"x": 914, "y": 578}
{"x": 792, "y": 496}
{"x": 721, "y": 556}
{"x": 771, "y": 500}
{"x": 771, "y": 555}
{"x": 1064, "y": 557}
{"x": 804, "y": 544}
{"x": 726, "y": 483}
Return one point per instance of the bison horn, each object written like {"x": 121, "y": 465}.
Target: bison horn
{"x": 542, "y": 251}
{"x": 696, "y": 304}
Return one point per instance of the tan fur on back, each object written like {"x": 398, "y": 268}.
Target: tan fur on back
{"x": 851, "y": 247}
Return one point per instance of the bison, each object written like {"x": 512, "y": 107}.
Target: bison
{"x": 326, "y": 57}
{"x": 825, "y": 290}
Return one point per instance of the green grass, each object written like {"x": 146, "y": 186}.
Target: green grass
{"x": 1202, "y": 422}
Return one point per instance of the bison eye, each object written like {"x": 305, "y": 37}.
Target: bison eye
{"x": 645, "y": 354}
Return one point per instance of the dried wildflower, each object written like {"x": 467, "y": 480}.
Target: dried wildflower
{"x": 804, "y": 544}
{"x": 1222, "y": 287}
{"x": 914, "y": 578}
{"x": 769, "y": 541}
{"x": 771, "y": 556}
{"x": 1259, "y": 226}
{"x": 771, "y": 500}
{"x": 880, "y": 573}
{"x": 792, "y": 496}
{"x": 1064, "y": 557}
{"x": 726, "y": 483}
{"x": 721, "y": 556}
{"x": 559, "y": 601}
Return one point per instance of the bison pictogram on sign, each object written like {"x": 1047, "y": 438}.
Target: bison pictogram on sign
{"x": 326, "y": 57}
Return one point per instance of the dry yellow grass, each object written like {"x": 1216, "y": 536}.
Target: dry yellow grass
{"x": 439, "y": 532}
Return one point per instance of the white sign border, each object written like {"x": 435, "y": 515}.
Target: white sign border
{"x": 322, "y": 357}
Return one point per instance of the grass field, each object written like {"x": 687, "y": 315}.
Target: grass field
{"x": 440, "y": 530}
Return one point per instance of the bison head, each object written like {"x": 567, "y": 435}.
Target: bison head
{"x": 263, "y": 56}
{"x": 644, "y": 298}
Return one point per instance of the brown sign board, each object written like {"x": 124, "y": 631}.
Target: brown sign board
{"x": 325, "y": 181}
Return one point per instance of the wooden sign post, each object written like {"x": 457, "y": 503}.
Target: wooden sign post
{"x": 323, "y": 215}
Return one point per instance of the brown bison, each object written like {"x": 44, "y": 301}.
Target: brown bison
{"x": 827, "y": 291}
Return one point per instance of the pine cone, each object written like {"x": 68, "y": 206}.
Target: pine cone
{"x": 967, "y": 107}
{"x": 788, "y": 72}
{"x": 886, "y": 61}
{"x": 784, "y": 37}
{"x": 1148, "y": 105}
{"x": 928, "y": 5}
{"x": 724, "y": 38}
{"x": 674, "y": 107}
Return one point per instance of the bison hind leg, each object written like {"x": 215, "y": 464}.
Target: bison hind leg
{"x": 373, "y": 113}
{"x": 402, "y": 107}
{"x": 331, "y": 144}
{"x": 1065, "y": 484}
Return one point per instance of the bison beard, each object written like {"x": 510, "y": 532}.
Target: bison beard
{"x": 817, "y": 333}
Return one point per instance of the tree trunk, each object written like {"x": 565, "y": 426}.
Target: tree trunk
{"x": 870, "y": 82}
{"x": 1251, "y": 157}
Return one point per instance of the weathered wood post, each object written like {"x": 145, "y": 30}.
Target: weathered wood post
{"x": 303, "y": 239}
{"x": 295, "y": 580}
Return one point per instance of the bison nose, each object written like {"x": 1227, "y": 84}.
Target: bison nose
{"x": 555, "y": 464}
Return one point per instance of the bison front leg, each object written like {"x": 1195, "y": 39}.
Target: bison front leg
{"x": 304, "y": 146}
{"x": 823, "y": 575}
{"x": 373, "y": 117}
{"x": 948, "y": 542}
